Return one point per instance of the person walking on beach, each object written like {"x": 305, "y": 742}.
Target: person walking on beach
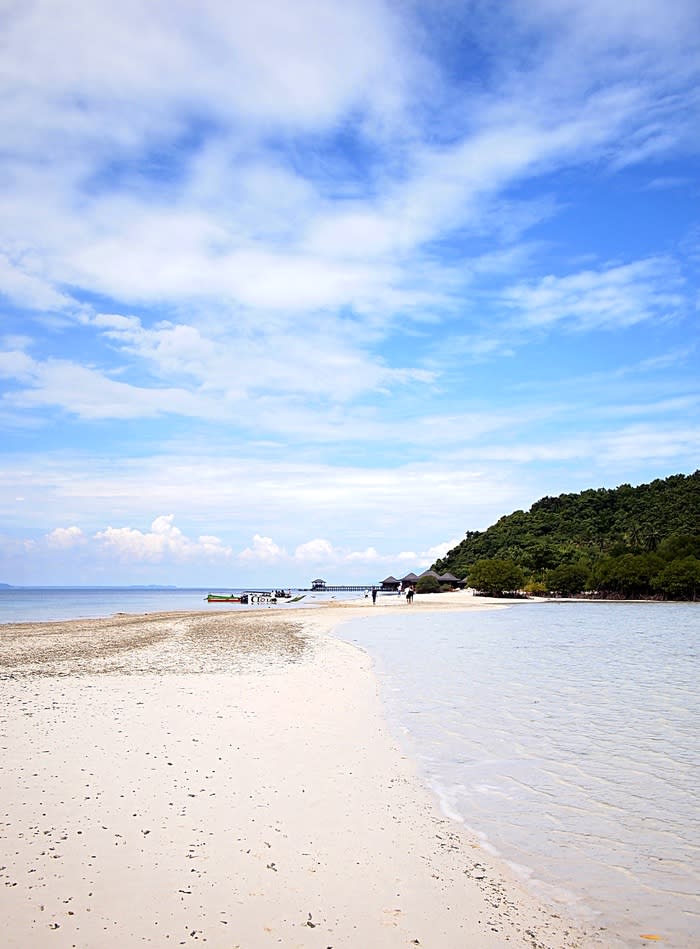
{"x": 374, "y": 596}
{"x": 409, "y": 596}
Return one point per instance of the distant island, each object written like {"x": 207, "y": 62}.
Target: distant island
{"x": 627, "y": 542}
{"x": 92, "y": 586}
{"x": 151, "y": 586}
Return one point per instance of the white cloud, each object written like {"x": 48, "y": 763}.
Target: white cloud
{"x": 229, "y": 59}
{"x": 90, "y": 394}
{"x": 609, "y": 298}
{"x": 649, "y": 441}
{"x": 439, "y": 550}
{"x": 667, "y": 182}
{"x": 28, "y": 289}
{"x": 163, "y": 541}
{"x": 298, "y": 221}
{"x": 368, "y": 555}
{"x": 426, "y": 558}
{"x": 263, "y": 550}
{"x": 316, "y": 551}
{"x": 240, "y": 223}
{"x": 64, "y": 538}
{"x": 244, "y": 361}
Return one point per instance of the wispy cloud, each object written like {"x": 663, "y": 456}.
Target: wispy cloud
{"x": 334, "y": 270}
{"x": 609, "y": 298}
{"x": 89, "y": 393}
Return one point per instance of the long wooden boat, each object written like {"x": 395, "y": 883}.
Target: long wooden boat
{"x": 227, "y": 597}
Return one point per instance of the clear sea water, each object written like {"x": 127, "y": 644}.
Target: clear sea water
{"x": 566, "y": 736}
{"x": 42, "y": 604}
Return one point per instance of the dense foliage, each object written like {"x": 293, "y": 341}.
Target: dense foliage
{"x": 428, "y": 584}
{"x": 496, "y": 577}
{"x": 623, "y": 542}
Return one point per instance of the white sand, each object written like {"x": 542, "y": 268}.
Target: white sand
{"x": 262, "y": 806}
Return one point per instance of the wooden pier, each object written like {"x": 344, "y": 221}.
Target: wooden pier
{"x": 339, "y": 589}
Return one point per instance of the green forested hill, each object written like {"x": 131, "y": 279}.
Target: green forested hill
{"x": 650, "y": 525}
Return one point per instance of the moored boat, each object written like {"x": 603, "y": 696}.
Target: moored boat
{"x": 227, "y": 597}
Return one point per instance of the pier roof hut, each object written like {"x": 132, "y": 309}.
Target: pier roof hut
{"x": 318, "y": 584}
{"x": 390, "y": 584}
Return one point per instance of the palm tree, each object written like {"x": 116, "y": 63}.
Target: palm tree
{"x": 651, "y": 540}
{"x": 634, "y": 535}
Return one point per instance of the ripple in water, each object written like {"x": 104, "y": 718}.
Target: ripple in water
{"x": 566, "y": 736}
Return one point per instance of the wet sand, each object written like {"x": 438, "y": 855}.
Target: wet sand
{"x": 228, "y": 778}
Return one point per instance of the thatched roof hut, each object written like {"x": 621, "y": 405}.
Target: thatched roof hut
{"x": 390, "y": 583}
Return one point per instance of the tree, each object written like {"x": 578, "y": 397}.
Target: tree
{"x": 568, "y": 579}
{"x": 536, "y": 588}
{"x": 679, "y": 546}
{"x": 652, "y": 538}
{"x": 591, "y": 526}
{"x": 495, "y": 577}
{"x": 428, "y": 584}
{"x": 634, "y": 536}
{"x": 680, "y": 580}
{"x": 630, "y": 575}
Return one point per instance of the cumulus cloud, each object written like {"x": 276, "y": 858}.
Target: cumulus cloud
{"x": 64, "y": 538}
{"x": 164, "y": 540}
{"x": 368, "y": 555}
{"x": 439, "y": 550}
{"x": 426, "y": 558}
{"x": 263, "y": 550}
{"x": 316, "y": 551}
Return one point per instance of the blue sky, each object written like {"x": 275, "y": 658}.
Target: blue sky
{"x": 311, "y": 289}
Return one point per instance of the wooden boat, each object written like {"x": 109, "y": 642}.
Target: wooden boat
{"x": 227, "y": 597}
{"x": 271, "y": 594}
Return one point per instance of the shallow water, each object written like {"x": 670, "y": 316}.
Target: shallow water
{"x": 566, "y": 737}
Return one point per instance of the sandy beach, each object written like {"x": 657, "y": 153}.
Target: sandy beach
{"x": 228, "y": 778}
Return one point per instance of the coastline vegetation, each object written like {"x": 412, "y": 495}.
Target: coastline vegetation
{"x": 625, "y": 543}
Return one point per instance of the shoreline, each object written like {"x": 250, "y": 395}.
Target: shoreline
{"x": 259, "y": 802}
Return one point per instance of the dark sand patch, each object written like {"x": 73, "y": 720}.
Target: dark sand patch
{"x": 152, "y": 644}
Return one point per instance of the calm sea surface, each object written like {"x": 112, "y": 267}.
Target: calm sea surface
{"x": 567, "y": 737}
{"x": 40, "y": 604}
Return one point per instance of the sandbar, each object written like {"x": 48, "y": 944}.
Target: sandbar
{"x": 229, "y": 779}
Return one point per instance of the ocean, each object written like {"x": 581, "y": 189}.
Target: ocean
{"x": 566, "y": 736}
{"x": 43, "y": 604}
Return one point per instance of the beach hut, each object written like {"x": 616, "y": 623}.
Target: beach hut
{"x": 390, "y": 584}
{"x": 409, "y": 580}
{"x": 449, "y": 579}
